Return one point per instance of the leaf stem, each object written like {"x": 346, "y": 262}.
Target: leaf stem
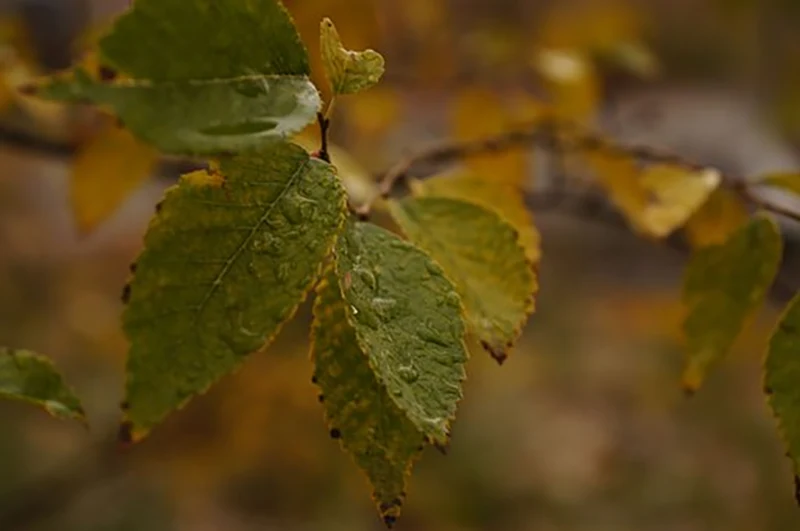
{"x": 324, "y": 124}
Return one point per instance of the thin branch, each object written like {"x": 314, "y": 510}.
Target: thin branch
{"x": 545, "y": 134}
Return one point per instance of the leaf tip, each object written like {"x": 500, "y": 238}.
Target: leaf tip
{"x": 500, "y": 354}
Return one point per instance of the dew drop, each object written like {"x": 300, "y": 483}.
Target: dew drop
{"x": 277, "y": 221}
{"x": 384, "y": 307}
{"x": 252, "y": 88}
{"x": 284, "y": 272}
{"x": 369, "y": 318}
{"x": 453, "y": 299}
{"x": 367, "y": 277}
{"x": 408, "y": 373}
{"x": 292, "y": 208}
{"x": 430, "y": 335}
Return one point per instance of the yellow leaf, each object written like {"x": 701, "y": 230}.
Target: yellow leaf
{"x": 785, "y": 180}
{"x": 716, "y": 220}
{"x": 480, "y": 252}
{"x": 106, "y": 171}
{"x": 620, "y": 178}
{"x": 677, "y": 194}
{"x": 504, "y": 199}
{"x": 477, "y": 113}
{"x": 375, "y": 111}
{"x": 571, "y": 81}
{"x": 348, "y": 71}
{"x": 658, "y": 200}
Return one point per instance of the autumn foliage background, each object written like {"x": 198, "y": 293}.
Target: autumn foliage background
{"x": 584, "y": 428}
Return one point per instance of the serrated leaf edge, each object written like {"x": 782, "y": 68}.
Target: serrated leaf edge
{"x": 127, "y": 433}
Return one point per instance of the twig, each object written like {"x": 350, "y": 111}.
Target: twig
{"x": 324, "y": 124}
{"x": 545, "y": 134}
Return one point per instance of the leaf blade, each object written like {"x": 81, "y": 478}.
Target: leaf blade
{"x": 504, "y": 199}
{"x": 379, "y": 437}
{"x": 213, "y": 283}
{"x": 723, "y": 285}
{"x": 497, "y": 283}
{"x": 32, "y": 378}
{"x": 200, "y": 118}
{"x": 206, "y": 39}
{"x": 408, "y": 319}
{"x": 782, "y": 379}
{"x": 349, "y": 72}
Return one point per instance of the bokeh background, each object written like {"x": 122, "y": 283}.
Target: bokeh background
{"x": 584, "y": 428}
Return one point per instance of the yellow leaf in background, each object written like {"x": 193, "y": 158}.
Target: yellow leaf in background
{"x": 502, "y": 198}
{"x": 479, "y": 112}
{"x": 592, "y": 28}
{"x": 571, "y": 81}
{"x": 677, "y": 193}
{"x": 717, "y": 219}
{"x": 109, "y": 167}
{"x": 374, "y": 111}
{"x": 619, "y": 176}
{"x": 784, "y": 180}
{"x": 658, "y": 200}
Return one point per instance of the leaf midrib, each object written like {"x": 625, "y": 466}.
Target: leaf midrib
{"x": 219, "y": 279}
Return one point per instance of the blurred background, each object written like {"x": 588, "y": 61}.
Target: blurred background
{"x": 584, "y": 428}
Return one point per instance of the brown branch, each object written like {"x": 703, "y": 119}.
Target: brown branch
{"x": 564, "y": 138}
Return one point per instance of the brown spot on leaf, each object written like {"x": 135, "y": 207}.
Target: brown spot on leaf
{"x": 389, "y": 520}
{"x": 500, "y": 354}
{"x": 159, "y": 206}
{"x": 768, "y": 390}
{"x": 28, "y": 89}
{"x": 125, "y": 433}
{"x": 797, "y": 489}
{"x": 126, "y": 293}
{"x": 314, "y": 379}
{"x": 124, "y": 405}
{"x": 132, "y": 267}
{"x": 335, "y": 433}
{"x": 321, "y": 398}
{"x": 107, "y": 73}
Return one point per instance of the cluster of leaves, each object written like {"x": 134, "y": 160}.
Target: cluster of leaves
{"x": 234, "y": 249}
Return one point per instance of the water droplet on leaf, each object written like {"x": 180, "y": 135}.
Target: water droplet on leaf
{"x": 408, "y": 373}
{"x": 384, "y": 307}
{"x": 292, "y": 208}
{"x": 367, "y": 277}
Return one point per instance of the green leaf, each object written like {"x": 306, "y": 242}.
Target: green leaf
{"x": 787, "y": 181}
{"x": 782, "y": 379}
{"x": 724, "y": 284}
{"x": 480, "y": 252}
{"x": 201, "y": 117}
{"x": 505, "y": 199}
{"x": 348, "y": 71}
{"x": 379, "y": 436}
{"x": 408, "y": 320}
{"x": 201, "y": 77}
{"x": 32, "y": 378}
{"x": 227, "y": 259}
{"x": 176, "y": 40}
